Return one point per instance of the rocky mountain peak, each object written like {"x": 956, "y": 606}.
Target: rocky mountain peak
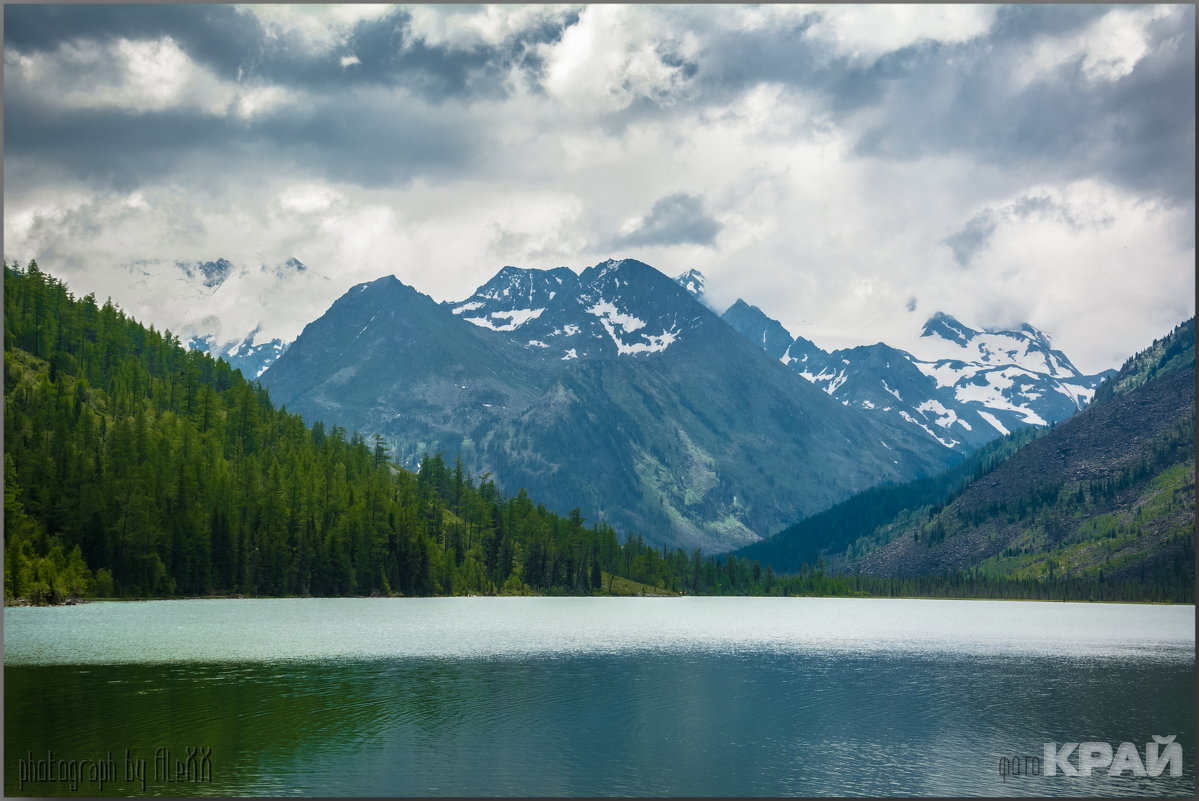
{"x": 693, "y": 281}
{"x": 947, "y": 327}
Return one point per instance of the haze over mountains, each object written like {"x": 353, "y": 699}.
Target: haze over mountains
{"x": 209, "y": 312}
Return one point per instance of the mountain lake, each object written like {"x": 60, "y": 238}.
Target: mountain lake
{"x": 598, "y": 697}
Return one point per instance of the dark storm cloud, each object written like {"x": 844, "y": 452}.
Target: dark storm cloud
{"x": 926, "y": 99}
{"x": 786, "y": 55}
{"x": 345, "y": 127}
{"x": 389, "y": 53}
{"x": 217, "y": 36}
{"x": 677, "y": 219}
{"x": 738, "y": 59}
{"x": 115, "y": 154}
{"x": 235, "y": 45}
{"x": 374, "y": 144}
{"x": 339, "y": 138}
{"x": 1152, "y": 118}
{"x": 1136, "y": 131}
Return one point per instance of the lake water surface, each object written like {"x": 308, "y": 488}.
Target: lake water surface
{"x": 590, "y": 696}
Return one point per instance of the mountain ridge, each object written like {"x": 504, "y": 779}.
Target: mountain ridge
{"x": 966, "y": 388}
{"x": 1108, "y": 494}
{"x": 627, "y": 350}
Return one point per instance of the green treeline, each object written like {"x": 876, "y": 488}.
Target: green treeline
{"x": 134, "y": 467}
{"x": 1172, "y": 351}
{"x": 974, "y": 583}
{"x": 137, "y": 468}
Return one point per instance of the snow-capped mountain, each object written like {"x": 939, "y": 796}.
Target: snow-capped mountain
{"x": 694, "y": 282}
{"x": 248, "y": 354}
{"x": 210, "y": 273}
{"x": 613, "y": 390}
{"x": 960, "y": 386}
{"x": 616, "y": 308}
{"x": 245, "y": 314}
{"x": 515, "y": 296}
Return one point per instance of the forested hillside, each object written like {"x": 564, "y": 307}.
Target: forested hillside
{"x": 1107, "y": 496}
{"x": 135, "y": 467}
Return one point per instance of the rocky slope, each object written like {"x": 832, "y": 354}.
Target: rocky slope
{"x": 614, "y": 391}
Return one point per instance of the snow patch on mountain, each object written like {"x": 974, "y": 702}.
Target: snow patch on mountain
{"x": 609, "y": 314}
{"x": 1079, "y": 394}
{"x": 252, "y": 354}
{"x": 990, "y": 418}
{"x": 612, "y": 319}
{"x": 946, "y": 373}
{"x": 946, "y": 339}
{"x": 946, "y": 417}
{"x": 987, "y": 390}
{"x": 516, "y": 318}
{"x": 948, "y": 443}
{"x": 948, "y": 376}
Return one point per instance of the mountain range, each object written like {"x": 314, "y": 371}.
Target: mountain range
{"x": 1106, "y": 495}
{"x": 958, "y": 386}
{"x": 965, "y": 388}
{"x": 969, "y": 388}
{"x": 619, "y": 391}
{"x": 614, "y": 391}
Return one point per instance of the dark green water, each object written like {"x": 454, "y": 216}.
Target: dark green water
{"x": 594, "y": 696}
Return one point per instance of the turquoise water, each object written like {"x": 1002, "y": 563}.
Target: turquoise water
{"x": 590, "y": 696}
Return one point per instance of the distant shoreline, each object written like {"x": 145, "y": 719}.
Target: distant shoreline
{"x": 21, "y": 602}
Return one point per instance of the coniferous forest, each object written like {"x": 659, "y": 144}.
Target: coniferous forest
{"x": 134, "y": 467}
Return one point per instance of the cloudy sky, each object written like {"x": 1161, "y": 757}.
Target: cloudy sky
{"x": 849, "y": 169}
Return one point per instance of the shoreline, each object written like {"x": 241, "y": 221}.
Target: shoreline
{"x": 84, "y": 601}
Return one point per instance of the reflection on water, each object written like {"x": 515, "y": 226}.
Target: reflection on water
{"x": 732, "y": 716}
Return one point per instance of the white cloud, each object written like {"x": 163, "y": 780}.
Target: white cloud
{"x": 829, "y": 241}
{"x": 869, "y": 31}
{"x": 319, "y": 28}
{"x": 1108, "y": 49}
{"x": 251, "y": 101}
{"x": 137, "y": 76}
{"x": 128, "y": 75}
{"x": 464, "y": 28}
{"x": 308, "y": 198}
{"x": 1106, "y": 271}
{"x": 613, "y": 56}
{"x": 126, "y": 245}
